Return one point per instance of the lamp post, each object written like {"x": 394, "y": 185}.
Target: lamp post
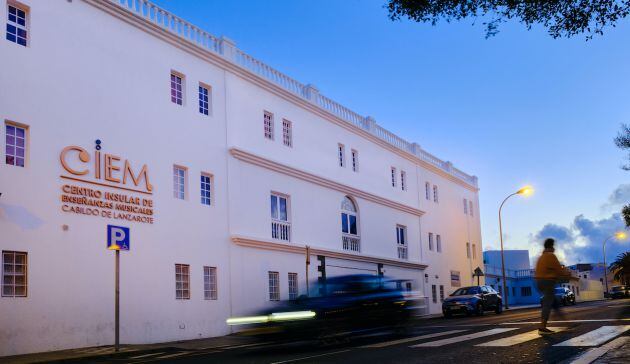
{"x": 525, "y": 191}
{"x": 619, "y": 236}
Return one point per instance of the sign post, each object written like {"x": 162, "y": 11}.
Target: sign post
{"x": 117, "y": 239}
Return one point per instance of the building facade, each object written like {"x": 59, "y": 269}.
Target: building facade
{"x": 240, "y": 186}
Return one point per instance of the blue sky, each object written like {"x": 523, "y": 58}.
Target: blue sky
{"x": 517, "y": 108}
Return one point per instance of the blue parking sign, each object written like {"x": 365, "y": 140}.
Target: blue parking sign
{"x": 117, "y": 237}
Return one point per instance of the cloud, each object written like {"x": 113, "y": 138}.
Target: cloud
{"x": 583, "y": 240}
{"x": 620, "y": 196}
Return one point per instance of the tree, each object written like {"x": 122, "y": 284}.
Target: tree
{"x": 623, "y": 142}
{"x": 621, "y": 268}
{"x": 561, "y": 18}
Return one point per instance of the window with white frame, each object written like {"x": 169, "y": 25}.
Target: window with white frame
{"x": 349, "y": 225}
{"x": 403, "y": 180}
{"x": 393, "y": 169}
{"x": 274, "y": 286}
{"x": 182, "y": 281}
{"x": 287, "y": 133}
{"x": 206, "y": 189}
{"x": 179, "y": 182}
{"x": 15, "y": 146}
{"x": 14, "y": 274}
{"x": 355, "y": 160}
{"x": 465, "y": 206}
{"x": 435, "y": 193}
{"x": 268, "y": 124}
{"x": 177, "y": 88}
{"x": 438, "y": 243}
{"x": 474, "y": 251}
{"x": 434, "y": 293}
{"x": 280, "y": 226}
{"x": 468, "y": 250}
{"x": 470, "y": 207}
{"x": 204, "y": 99}
{"x": 401, "y": 239}
{"x": 430, "y": 241}
{"x": 427, "y": 191}
{"x": 293, "y": 286}
{"x": 17, "y": 31}
{"x": 341, "y": 154}
{"x": 210, "y": 291}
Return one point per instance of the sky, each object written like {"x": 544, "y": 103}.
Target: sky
{"x": 518, "y": 108}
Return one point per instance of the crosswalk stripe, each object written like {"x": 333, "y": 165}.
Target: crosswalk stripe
{"x": 409, "y": 339}
{"x": 460, "y": 338}
{"x": 562, "y": 321}
{"x": 520, "y": 338}
{"x": 173, "y": 355}
{"x": 591, "y": 355}
{"x": 145, "y": 355}
{"x": 596, "y": 337}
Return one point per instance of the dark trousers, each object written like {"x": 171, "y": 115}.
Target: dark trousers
{"x": 547, "y": 288}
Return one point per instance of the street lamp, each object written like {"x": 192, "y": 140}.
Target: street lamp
{"x": 620, "y": 235}
{"x": 525, "y": 191}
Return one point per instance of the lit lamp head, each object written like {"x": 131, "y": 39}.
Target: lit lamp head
{"x": 525, "y": 191}
{"x": 620, "y": 235}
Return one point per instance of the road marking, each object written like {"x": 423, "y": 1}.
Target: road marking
{"x": 173, "y": 355}
{"x": 310, "y": 357}
{"x": 591, "y": 355}
{"x": 596, "y": 337}
{"x": 562, "y": 321}
{"x": 145, "y": 355}
{"x": 409, "y": 339}
{"x": 461, "y": 338}
{"x": 520, "y": 338}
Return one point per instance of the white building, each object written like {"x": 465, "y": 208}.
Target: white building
{"x": 223, "y": 168}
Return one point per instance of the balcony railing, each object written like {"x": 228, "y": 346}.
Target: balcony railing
{"x": 351, "y": 242}
{"x": 402, "y": 252}
{"x": 281, "y": 230}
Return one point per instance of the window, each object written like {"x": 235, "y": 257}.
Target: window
{"x": 435, "y": 193}
{"x": 465, "y": 206}
{"x": 427, "y": 191}
{"x": 349, "y": 228}
{"x": 434, "y": 293}
{"x": 206, "y": 189}
{"x": 16, "y": 25}
{"x": 182, "y": 281}
{"x": 274, "y": 286}
{"x": 287, "y": 133}
{"x": 179, "y": 182}
{"x": 293, "y": 286}
{"x": 14, "y": 274}
{"x": 341, "y": 154}
{"x": 468, "y": 250}
{"x": 403, "y": 180}
{"x": 430, "y": 241}
{"x": 470, "y": 207}
{"x": 474, "y": 251}
{"x": 204, "y": 99}
{"x": 393, "y": 177}
{"x": 15, "y": 145}
{"x": 513, "y": 291}
{"x": 280, "y": 227}
{"x": 355, "y": 160}
{"x": 210, "y": 283}
{"x": 438, "y": 243}
{"x": 408, "y": 286}
{"x": 177, "y": 90}
{"x": 401, "y": 239}
{"x": 268, "y": 125}
{"x": 441, "y": 293}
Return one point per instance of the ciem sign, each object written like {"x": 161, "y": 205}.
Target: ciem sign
{"x": 108, "y": 185}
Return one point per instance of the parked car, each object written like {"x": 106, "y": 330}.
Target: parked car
{"x": 563, "y": 296}
{"x": 472, "y": 300}
{"x": 619, "y": 292}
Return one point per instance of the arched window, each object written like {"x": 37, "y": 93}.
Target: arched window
{"x": 349, "y": 225}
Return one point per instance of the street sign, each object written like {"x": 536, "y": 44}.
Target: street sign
{"x": 117, "y": 237}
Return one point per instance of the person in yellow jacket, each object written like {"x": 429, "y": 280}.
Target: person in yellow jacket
{"x": 548, "y": 273}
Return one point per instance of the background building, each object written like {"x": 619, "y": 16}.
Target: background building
{"x": 231, "y": 176}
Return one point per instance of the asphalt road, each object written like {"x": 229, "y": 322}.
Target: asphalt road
{"x": 506, "y": 338}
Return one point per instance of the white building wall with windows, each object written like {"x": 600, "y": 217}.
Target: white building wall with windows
{"x": 115, "y": 86}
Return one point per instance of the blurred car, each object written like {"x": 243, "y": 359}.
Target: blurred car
{"x": 347, "y": 304}
{"x": 563, "y": 296}
{"x": 472, "y": 300}
{"x": 619, "y": 292}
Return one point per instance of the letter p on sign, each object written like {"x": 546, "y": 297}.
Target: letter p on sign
{"x": 117, "y": 237}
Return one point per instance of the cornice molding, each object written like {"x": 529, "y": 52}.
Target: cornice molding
{"x": 237, "y": 70}
{"x": 250, "y": 242}
{"x": 321, "y": 181}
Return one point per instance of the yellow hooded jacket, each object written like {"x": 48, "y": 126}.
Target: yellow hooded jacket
{"x": 548, "y": 266}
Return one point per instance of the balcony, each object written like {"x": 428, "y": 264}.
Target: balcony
{"x": 351, "y": 242}
{"x": 281, "y": 230}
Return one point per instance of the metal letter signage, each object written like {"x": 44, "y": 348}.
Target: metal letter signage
{"x": 117, "y": 237}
